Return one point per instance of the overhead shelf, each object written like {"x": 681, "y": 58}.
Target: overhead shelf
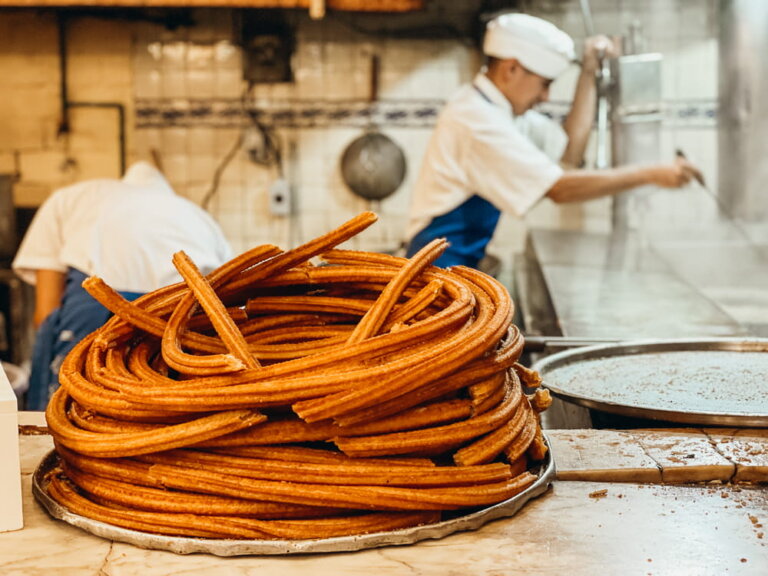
{"x": 317, "y": 7}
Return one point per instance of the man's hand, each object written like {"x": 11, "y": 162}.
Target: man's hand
{"x": 596, "y": 49}
{"x": 675, "y": 175}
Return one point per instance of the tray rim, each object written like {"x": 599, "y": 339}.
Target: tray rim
{"x": 649, "y": 346}
{"x": 224, "y": 547}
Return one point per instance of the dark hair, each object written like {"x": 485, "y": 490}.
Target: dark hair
{"x": 492, "y": 61}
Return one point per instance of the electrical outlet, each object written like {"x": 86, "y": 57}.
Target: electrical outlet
{"x": 280, "y": 198}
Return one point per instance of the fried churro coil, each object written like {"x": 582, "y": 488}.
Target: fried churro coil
{"x": 316, "y": 455}
{"x": 527, "y": 435}
{"x": 352, "y": 472}
{"x": 541, "y": 400}
{"x": 215, "y": 310}
{"x": 487, "y": 448}
{"x": 277, "y": 398}
{"x": 125, "y": 494}
{"x": 424, "y": 439}
{"x": 529, "y": 378}
{"x": 375, "y": 317}
{"x": 315, "y": 304}
{"x": 202, "y": 526}
{"x": 209, "y": 524}
{"x": 132, "y": 443}
{"x": 344, "y": 496}
{"x": 494, "y": 315}
{"x": 139, "y": 317}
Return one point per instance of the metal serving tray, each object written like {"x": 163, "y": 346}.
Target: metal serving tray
{"x": 182, "y": 545}
{"x": 716, "y": 382}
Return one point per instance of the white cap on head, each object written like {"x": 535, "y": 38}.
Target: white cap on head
{"x": 540, "y": 46}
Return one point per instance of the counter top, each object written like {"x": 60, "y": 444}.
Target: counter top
{"x": 599, "y": 525}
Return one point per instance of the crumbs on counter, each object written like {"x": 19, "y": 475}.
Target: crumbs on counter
{"x": 599, "y": 493}
{"x": 27, "y": 430}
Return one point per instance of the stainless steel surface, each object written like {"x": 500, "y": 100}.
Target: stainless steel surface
{"x": 180, "y": 545}
{"x": 638, "y": 88}
{"x": 725, "y": 268}
{"x": 542, "y": 343}
{"x": 717, "y": 382}
{"x": 624, "y": 287}
{"x": 636, "y": 122}
{"x": 742, "y": 116}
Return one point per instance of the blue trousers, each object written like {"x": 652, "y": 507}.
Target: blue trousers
{"x": 77, "y": 316}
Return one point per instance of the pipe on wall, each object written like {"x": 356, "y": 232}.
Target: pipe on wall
{"x": 67, "y": 104}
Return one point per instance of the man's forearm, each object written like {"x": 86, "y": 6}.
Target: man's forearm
{"x": 579, "y": 185}
{"x": 578, "y": 123}
{"x": 49, "y": 288}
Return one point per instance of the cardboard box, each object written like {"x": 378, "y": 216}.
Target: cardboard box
{"x": 10, "y": 472}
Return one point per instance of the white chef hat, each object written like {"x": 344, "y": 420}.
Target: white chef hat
{"x": 539, "y": 45}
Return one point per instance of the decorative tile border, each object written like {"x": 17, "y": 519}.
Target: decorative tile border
{"x": 691, "y": 113}
{"x": 286, "y": 113}
{"x": 228, "y": 113}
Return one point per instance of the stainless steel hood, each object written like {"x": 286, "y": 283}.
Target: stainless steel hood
{"x": 743, "y": 108}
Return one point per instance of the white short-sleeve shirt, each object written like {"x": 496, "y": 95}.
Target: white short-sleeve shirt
{"x": 124, "y": 231}
{"x": 59, "y": 235}
{"x": 480, "y": 147}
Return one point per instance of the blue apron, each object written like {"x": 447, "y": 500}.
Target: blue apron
{"x": 468, "y": 228}
{"x": 78, "y": 316}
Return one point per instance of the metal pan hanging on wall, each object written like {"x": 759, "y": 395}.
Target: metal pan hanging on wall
{"x": 373, "y": 166}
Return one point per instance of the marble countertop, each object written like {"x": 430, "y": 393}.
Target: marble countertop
{"x": 594, "y": 519}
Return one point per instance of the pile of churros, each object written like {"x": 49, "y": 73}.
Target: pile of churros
{"x": 300, "y": 394}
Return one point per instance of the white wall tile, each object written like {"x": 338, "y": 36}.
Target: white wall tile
{"x": 228, "y": 83}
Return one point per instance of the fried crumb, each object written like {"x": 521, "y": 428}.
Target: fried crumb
{"x": 28, "y": 430}
{"x": 599, "y": 493}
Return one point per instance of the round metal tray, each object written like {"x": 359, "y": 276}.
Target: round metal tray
{"x": 717, "y": 382}
{"x": 182, "y": 545}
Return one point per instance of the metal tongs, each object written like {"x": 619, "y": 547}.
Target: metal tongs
{"x": 724, "y": 210}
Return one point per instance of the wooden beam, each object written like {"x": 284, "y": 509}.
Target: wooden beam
{"x": 342, "y": 5}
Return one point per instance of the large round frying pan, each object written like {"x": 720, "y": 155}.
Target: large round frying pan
{"x": 373, "y": 165}
{"x": 712, "y": 382}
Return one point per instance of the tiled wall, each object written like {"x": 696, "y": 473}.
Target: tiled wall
{"x": 187, "y": 104}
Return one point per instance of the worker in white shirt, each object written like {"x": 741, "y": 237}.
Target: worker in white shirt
{"x": 124, "y": 231}
{"x": 492, "y": 152}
